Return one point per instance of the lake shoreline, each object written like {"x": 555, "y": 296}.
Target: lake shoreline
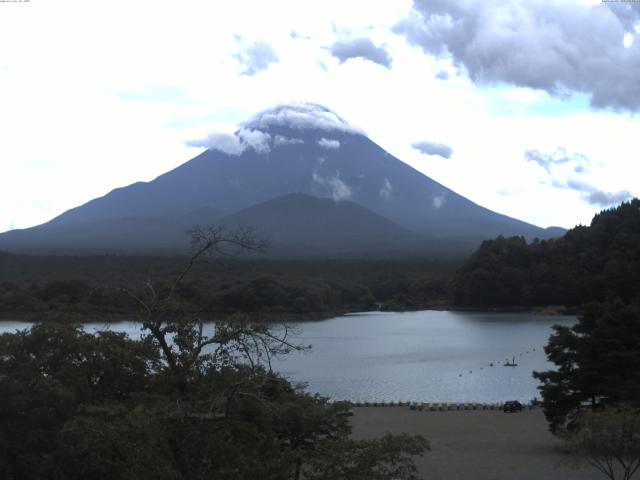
{"x": 286, "y": 317}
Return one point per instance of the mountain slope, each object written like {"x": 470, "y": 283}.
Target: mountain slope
{"x": 131, "y": 234}
{"x": 305, "y": 224}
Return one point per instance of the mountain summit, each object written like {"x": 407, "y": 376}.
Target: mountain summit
{"x": 291, "y": 149}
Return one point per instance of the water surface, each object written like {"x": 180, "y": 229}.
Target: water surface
{"x": 434, "y": 356}
{"x": 430, "y": 356}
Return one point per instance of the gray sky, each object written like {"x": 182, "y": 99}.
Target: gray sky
{"x": 527, "y": 107}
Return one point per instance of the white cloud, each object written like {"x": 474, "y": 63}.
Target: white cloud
{"x": 256, "y": 57}
{"x": 550, "y": 161}
{"x": 386, "y": 191}
{"x": 279, "y": 140}
{"x": 568, "y": 171}
{"x": 255, "y": 139}
{"x": 560, "y": 46}
{"x": 301, "y": 116}
{"x": 333, "y": 187}
{"x": 362, "y": 48}
{"x": 224, "y": 142}
{"x": 438, "y": 201}
{"x": 235, "y": 144}
{"x": 594, "y": 196}
{"x": 329, "y": 144}
{"x": 433, "y": 148}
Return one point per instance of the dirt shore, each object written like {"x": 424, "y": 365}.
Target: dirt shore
{"x": 476, "y": 445}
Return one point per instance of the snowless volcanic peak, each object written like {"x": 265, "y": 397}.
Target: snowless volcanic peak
{"x": 300, "y": 116}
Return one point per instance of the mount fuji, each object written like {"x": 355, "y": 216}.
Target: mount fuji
{"x": 302, "y": 177}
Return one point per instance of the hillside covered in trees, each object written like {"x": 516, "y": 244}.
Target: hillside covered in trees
{"x": 91, "y": 287}
{"x": 598, "y": 262}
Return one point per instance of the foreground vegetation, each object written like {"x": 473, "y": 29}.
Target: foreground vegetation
{"x": 592, "y": 398}
{"x": 176, "y": 404}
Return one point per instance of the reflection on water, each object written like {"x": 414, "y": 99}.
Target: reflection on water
{"x": 429, "y": 356}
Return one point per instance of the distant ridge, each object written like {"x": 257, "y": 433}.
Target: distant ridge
{"x": 301, "y": 223}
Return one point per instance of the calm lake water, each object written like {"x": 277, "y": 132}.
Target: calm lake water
{"x": 429, "y": 356}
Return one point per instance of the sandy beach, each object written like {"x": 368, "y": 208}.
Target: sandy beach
{"x": 476, "y": 445}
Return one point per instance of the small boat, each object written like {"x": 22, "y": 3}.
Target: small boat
{"x": 511, "y": 363}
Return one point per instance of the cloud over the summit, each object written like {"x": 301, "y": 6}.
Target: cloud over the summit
{"x": 433, "y": 148}
{"x": 301, "y": 116}
{"x": 560, "y": 46}
{"x": 256, "y": 57}
{"x": 255, "y": 135}
{"x": 363, "y": 48}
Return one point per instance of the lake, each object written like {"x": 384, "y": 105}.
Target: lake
{"x": 427, "y": 356}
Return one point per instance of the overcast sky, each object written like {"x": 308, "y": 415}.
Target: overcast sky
{"x": 529, "y": 107}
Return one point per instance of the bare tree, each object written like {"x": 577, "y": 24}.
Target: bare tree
{"x": 186, "y": 350}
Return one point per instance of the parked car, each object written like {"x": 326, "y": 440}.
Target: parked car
{"x": 346, "y": 413}
{"x": 512, "y": 406}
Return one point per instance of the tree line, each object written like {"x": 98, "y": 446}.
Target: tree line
{"x": 598, "y": 262}
{"x": 91, "y": 287}
{"x": 591, "y": 399}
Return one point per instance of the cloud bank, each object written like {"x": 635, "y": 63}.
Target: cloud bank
{"x": 361, "y": 48}
{"x": 560, "y": 46}
{"x": 433, "y": 148}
